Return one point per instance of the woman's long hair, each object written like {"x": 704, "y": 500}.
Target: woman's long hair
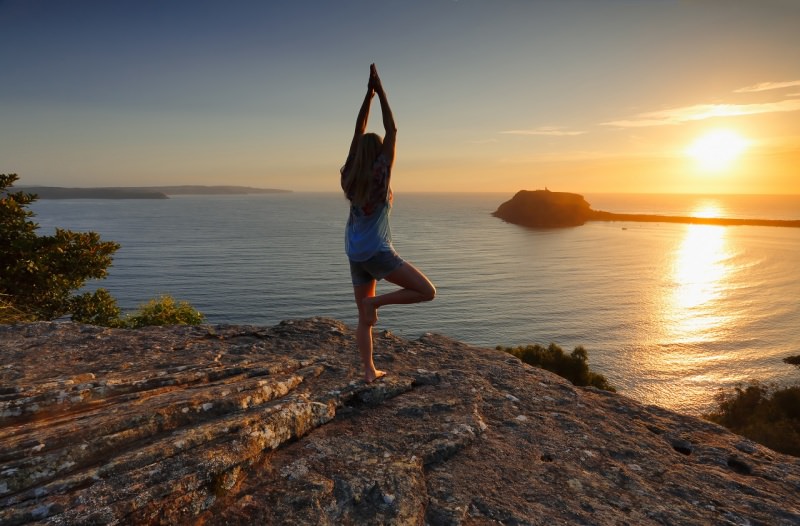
{"x": 358, "y": 177}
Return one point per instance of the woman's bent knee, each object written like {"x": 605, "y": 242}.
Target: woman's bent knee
{"x": 426, "y": 289}
{"x": 429, "y": 292}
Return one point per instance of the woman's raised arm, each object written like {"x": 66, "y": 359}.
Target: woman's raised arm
{"x": 389, "y": 126}
{"x": 363, "y": 117}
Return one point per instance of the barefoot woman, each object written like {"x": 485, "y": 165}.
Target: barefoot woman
{"x": 368, "y": 238}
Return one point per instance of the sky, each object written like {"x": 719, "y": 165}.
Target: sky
{"x": 641, "y": 96}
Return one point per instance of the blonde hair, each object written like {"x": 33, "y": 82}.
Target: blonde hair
{"x": 358, "y": 179}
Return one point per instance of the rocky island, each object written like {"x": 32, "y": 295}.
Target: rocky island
{"x": 543, "y": 208}
{"x": 256, "y": 425}
{"x": 546, "y": 209}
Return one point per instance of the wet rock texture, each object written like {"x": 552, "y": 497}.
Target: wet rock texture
{"x": 253, "y": 425}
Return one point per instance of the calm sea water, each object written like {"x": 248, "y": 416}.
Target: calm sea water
{"x": 669, "y": 313}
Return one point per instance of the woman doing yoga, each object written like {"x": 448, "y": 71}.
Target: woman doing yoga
{"x": 365, "y": 179}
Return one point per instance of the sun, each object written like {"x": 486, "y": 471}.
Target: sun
{"x": 717, "y": 150}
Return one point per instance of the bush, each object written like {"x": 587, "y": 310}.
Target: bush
{"x": 100, "y": 308}
{"x": 793, "y": 360}
{"x": 164, "y": 311}
{"x": 96, "y": 308}
{"x": 764, "y": 414}
{"x": 574, "y": 366}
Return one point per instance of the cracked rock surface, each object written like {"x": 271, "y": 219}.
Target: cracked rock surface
{"x": 256, "y": 425}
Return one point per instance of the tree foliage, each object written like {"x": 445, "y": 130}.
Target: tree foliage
{"x": 574, "y": 366}
{"x": 9, "y": 313}
{"x": 38, "y": 274}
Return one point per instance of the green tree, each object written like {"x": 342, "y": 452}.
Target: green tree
{"x": 38, "y": 274}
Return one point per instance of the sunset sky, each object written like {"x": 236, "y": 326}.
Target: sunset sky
{"x": 489, "y": 95}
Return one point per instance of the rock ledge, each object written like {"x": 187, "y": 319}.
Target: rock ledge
{"x": 239, "y": 424}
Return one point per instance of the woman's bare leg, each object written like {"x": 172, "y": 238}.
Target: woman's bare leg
{"x": 364, "y": 330}
{"x": 415, "y": 287}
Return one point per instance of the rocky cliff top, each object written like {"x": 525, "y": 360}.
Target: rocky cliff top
{"x": 236, "y": 424}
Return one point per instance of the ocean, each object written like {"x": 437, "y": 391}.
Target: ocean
{"x": 669, "y": 313}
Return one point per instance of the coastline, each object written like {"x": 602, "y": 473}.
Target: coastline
{"x": 142, "y": 192}
{"x": 599, "y": 215}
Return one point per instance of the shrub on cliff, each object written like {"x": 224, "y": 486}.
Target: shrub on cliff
{"x": 100, "y": 308}
{"x": 39, "y": 273}
{"x": 764, "y": 414}
{"x": 164, "y": 311}
{"x": 793, "y": 360}
{"x": 574, "y": 366}
{"x": 97, "y": 308}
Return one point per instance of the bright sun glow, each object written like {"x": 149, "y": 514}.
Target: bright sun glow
{"x": 718, "y": 149}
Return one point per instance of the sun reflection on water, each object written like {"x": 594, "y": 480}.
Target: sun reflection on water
{"x": 693, "y": 308}
{"x": 699, "y": 272}
{"x": 708, "y": 208}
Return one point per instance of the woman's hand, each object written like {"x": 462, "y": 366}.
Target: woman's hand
{"x": 374, "y": 79}
{"x": 370, "y": 87}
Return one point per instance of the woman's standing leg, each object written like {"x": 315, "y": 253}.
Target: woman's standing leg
{"x": 364, "y": 330}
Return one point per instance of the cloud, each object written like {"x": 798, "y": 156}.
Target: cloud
{"x": 545, "y": 130}
{"x": 701, "y": 112}
{"x": 765, "y": 86}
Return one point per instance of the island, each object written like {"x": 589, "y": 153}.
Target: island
{"x": 142, "y": 192}
{"x": 546, "y": 209}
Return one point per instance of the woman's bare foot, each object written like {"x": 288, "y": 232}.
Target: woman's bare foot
{"x": 370, "y": 377}
{"x": 370, "y": 310}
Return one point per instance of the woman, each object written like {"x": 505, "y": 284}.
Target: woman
{"x": 368, "y": 239}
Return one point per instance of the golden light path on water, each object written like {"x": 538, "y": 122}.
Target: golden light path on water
{"x": 699, "y": 272}
{"x": 692, "y": 311}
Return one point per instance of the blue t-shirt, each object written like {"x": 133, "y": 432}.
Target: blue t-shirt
{"x": 367, "y": 231}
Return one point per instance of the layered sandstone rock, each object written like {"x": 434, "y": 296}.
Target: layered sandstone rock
{"x": 234, "y": 424}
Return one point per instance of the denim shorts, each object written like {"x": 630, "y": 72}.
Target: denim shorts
{"x": 375, "y": 268}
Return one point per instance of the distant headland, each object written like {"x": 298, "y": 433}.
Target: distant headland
{"x": 142, "y": 192}
{"x": 546, "y": 209}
